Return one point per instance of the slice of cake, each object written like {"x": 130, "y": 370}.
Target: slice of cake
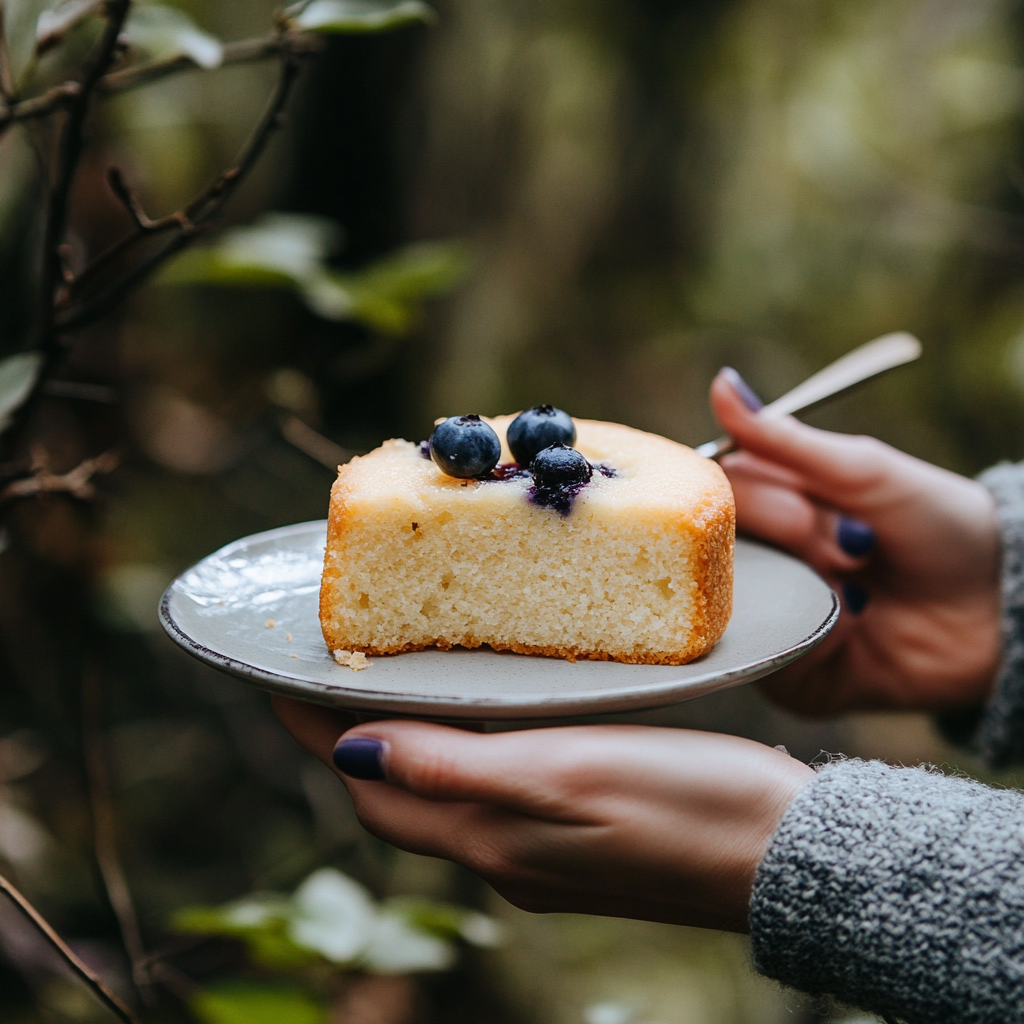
{"x": 619, "y": 548}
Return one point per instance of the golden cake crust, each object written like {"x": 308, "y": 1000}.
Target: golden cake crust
{"x": 674, "y": 491}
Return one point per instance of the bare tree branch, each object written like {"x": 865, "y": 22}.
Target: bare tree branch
{"x": 6, "y": 79}
{"x": 39, "y": 106}
{"x": 76, "y": 482}
{"x": 312, "y": 443}
{"x": 105, "y": 833}
{"x": 243, "y": 51}
{"x": 133, "y": 205}
{"x": 93, "y": 981}
{"x": 76, "y": 311}
{"x": 69, "y": 153}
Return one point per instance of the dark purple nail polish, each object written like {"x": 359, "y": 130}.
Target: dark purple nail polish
{"x": 743, "y": 389}
{"x": 360, "y": 757}
{"x": 855, "y": 597}
{"x": 854, "y": 537}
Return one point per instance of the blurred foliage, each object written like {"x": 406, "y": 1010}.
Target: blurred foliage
{"x": 17, "y": 376}
{"x": 258, "y": 1004}
{"x": 332, "y": 918}
{"x": 291, "y": 251}
{"x": 328, "y": 927}
{"x": 161, "y": 32}
{"x": 360, "y": 15}
{"x": 649, "y": 189}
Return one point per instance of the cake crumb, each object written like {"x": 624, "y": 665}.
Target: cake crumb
{"x": 271, "y": 623}
{"x": 354, "y": 660}
{"x": 288, "y": 637}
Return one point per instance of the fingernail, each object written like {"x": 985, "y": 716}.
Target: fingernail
{"x": 855, "y": 597}
{"x": 743, "y": 389}
{"x": 360, "y": 757}
{"x": 854, "y": 537}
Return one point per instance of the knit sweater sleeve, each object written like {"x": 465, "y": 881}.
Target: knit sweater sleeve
{"x": 997, "y": 734}
{"x": 900, "y": 891}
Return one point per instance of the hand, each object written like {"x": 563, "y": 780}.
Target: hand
{"x": 627, "y": 821}
{"x": 921, "y": 621}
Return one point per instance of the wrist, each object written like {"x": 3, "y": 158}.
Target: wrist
{"x": 782, "y": 778}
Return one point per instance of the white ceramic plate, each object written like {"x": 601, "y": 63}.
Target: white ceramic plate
{"x": 221, "y": 612}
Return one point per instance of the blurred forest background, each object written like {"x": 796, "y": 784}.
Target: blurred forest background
{"x": 647, "y": 190}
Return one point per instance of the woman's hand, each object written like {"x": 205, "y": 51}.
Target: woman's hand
{"x": 628, "y": 821}
{"x": 913, "y": 548}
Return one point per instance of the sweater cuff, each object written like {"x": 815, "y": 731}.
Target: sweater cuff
{"x": 997, "y": 735}
{"x": 898, "y": 890}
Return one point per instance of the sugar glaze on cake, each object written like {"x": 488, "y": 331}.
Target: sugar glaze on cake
{"x": 638, "y": 571}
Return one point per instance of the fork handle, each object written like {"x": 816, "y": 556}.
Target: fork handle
{"x": 863, "y": 363}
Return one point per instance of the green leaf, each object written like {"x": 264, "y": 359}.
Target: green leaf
{"x": 290, "y": 251}
{"x": 208, "y": 266}
{"x": 257, "y": 1004}
{"x": 261, "y": 921}
{"x": 280, "y": 250}
{"x": 447, "y": 920}
{"x": 55, "y": 23}
{"x": 386, "y": 295}
{"x": 329, "y": 16}
{"x": 163, "y": 32}
{"x": 18, "y": 375}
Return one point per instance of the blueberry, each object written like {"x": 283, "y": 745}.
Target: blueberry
{"x": 465, "y": 446}
{"x": 560, "y": 466}
{"x": 539, "y": 428}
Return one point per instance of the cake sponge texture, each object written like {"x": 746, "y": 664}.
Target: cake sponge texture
{"x": 639, "y": 571}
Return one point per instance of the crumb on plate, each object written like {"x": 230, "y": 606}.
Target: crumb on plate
{"x": 354, "y": 660}
{"x": 271, "y": 623}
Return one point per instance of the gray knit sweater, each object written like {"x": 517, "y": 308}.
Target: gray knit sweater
{"x": 901, "y": 890}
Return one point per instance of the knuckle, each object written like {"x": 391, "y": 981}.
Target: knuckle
{"x": 431, "y": 772}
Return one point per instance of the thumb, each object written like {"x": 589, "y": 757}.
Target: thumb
{"x": 437, "y": 762}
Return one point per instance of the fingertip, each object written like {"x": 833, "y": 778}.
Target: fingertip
{"x": 746, "y": 394}
{"x": 855, "y": 597}
{"x": 361, "y": 757}
{"x": 854, "y": 537}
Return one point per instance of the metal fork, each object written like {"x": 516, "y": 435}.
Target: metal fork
{"x": 869, "y": 360}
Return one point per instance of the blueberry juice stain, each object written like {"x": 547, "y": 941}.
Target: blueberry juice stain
{"x": 557, "y": 488}
{"x": 560, "y": 497}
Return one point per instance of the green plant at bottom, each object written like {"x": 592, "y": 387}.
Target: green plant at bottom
{"x": 306, "y": 945}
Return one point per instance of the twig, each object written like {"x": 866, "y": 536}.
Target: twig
{"x": 242, "y": 51}
{"x": 76, "y": 482}
{"x": 69, "y": 153}
{"x": 184, "y": 223}
{"x": 55, "y": 219}
{"x": 93, "y": 981}
{"x": 319, "y": 448}
{"x": 105, "y": 833}
{"x": 175, "y": 981}
{"x": 39, "y": 106}
{"x": 6, "y": 80}
{"x": 131, "y": 202}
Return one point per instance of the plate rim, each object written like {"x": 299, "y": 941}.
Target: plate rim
{"x": 655, "y": 695}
